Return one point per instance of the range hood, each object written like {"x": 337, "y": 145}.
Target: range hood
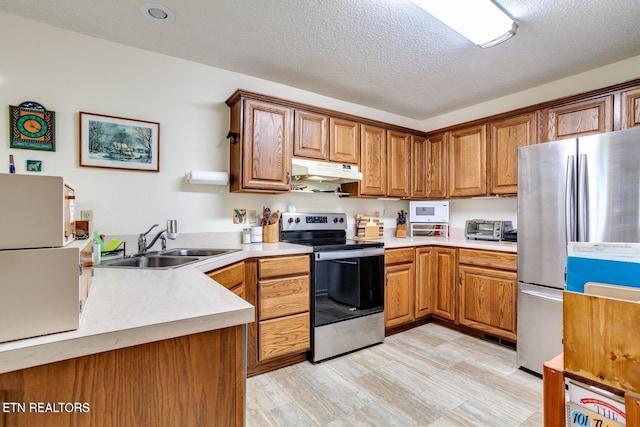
{"x": 313, "y": 170}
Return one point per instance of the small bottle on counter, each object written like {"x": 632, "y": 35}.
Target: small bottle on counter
{"x": 246, "y": 236}
{"x": 96, "y": 253}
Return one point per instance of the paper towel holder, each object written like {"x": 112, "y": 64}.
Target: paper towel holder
{"x": 207, "y": 177}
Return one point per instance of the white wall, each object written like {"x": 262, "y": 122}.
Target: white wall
{"x": 73, "y": 73}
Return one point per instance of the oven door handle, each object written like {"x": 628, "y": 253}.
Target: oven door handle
{"x": 337, "y": 261}
{"x": 348, "y": 253}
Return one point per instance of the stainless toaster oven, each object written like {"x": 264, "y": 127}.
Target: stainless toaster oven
{"x": 482, "y": 229}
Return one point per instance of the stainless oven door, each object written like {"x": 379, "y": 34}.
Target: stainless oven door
{"x": 347, "y": 284}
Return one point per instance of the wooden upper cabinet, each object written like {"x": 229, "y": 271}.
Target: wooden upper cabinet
{"x": 344, "y": 141}
{"x": 505, "y": 137}
{"x": 260, "y": 152}
{"x": 577, "y": 119}
{"x": 399, "y": 164}
{"x": 630, "y": 109}
{"x": 468, "y": 162}
{"x": 373, "y": 161}
{"x": 438, "y": 165}
{"x": 419, "y": 167}
{"x": 311, "y": 137}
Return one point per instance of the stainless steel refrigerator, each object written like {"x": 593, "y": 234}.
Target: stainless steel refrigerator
{"x": 585, "y": 190}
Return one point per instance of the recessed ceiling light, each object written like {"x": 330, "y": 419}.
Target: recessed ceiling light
{"x": 157, "y": 12}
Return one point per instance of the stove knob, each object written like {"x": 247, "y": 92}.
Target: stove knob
{"x": 335, "y": 220}
{"x": 297, "y": 220}
{"x": 341, "y": 220}
{"x": 290, "y": 220}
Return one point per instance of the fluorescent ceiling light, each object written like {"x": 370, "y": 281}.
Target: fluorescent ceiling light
{"x": 481, "y": 21}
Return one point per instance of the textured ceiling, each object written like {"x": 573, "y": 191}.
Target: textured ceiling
{"x": 385, "y": 54}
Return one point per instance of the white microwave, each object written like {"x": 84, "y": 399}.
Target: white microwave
{"x": 424, "y": 212}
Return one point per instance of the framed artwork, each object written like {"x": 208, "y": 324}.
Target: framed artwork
{"x": 32, "y": 127}
{"x": 119, "y": 143}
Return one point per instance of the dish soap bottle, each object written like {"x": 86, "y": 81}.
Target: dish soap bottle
{"x": 12, "y": 168}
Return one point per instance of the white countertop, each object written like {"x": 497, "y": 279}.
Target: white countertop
{"x": 128, "y": 307}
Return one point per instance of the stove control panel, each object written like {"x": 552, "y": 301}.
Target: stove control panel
{"x": 311, "y": 221}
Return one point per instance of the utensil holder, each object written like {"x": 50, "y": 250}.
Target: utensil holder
{"x": 270, "y": 233}
{"x": 401, "y": 230}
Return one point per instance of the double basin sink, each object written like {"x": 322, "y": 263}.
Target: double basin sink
{"x": 167, "y": 260}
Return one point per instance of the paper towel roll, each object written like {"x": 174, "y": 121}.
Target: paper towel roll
{"x": 207, "y": 177}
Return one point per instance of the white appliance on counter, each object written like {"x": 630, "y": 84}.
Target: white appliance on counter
{"x": 578, "y": 190}
{"x": 37, "y": 211}
{"x": 44, "y": 279}
{"x": 43, "y": 290}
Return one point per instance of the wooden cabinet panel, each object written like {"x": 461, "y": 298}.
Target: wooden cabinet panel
{"x": 577, "y": 119}
{"x": 419, "y": 167}
{"x": 506, "y": 136}
{"x": 191, "y": 380}
{"x": 468, "y": 162}
{"x": 399, "y": 164}
{"x": 399, "y": 294}
{"x": 438, "y": 165}
{"x": 398, "y": 256}
{"x": 630, "y": 109}
{"x": 492, "y": 259}
{"x": 281, "y": 297}
{"x": 283, "y": 266}
{"x": 488, "y": 300}
{"x": 444, "y": 305}
{"x": 373, "y": 161}
{"x": 231, "y": 277}
{"x": 267, "y": 131}
{"x": 284, "y": 335}
{"x": 311, "y": 138}
{"x": 426, "y": 277}
{"x": 344, "y": 141}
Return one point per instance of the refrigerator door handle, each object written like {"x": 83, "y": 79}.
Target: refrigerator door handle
{"x": 543, "y": 296}
{"x": 583, "y": 191}
{"x": 570, "y": 200}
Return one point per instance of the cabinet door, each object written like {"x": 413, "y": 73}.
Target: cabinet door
{"x": 506, "y": 136}
{"x": 311, "y": 139}
{"x": 399, "y": 294}
{"x": 344, "y": 141}
{"x": 373, "y": 161}
{"x": 577, "y": 119}
{"x": 268, "y": 130}
{"x": 488, "y": 300}
{"x": 630, "y": 109}
{"x": 284, "y": 335}
{"x": 445, "y": 283}
{"x": 419, "y": 167}
{"x": 398, "y": 169}
{"x": 468, "y": 162}
{"x": 438, "y": 165}
{"x": 231, "y": 277}
{"x": 426, "y": 277}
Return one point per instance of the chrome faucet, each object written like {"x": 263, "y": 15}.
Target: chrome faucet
{"x": 172, "y": 233}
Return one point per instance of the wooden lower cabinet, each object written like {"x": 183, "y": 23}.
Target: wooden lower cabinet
{"x": 436, "y": 282}
{"x": 487, "y": 293}
{"x": 279, "y": 288}
{"x": 194, "y": 380}
{"x": 231, "y": 277}
{"x": 399, "y": 291}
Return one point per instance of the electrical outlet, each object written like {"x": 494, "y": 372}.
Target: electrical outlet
{"x": 86, "y": 215}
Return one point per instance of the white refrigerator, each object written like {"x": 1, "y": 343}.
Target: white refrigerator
{"x": 582, "y": 190}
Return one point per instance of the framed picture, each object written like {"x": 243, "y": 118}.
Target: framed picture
{"x": 32, "y": 127}
{"x": 119, "y": 143}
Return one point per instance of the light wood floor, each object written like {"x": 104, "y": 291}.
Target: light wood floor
{"x": 427, "y": 376}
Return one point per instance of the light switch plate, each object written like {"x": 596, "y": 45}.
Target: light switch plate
{"x": 86, "y": 215}
{"x": 251, "y": 216}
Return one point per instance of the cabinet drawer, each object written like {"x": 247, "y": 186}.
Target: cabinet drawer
{"x": 399, "y": 256}
{"x": 285, "y": 335}
{"x": 281, "y": 297}
{"x": 283, "y": 266}
{"x": 229, "y": 277}
{"x": 501, "y": 260}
